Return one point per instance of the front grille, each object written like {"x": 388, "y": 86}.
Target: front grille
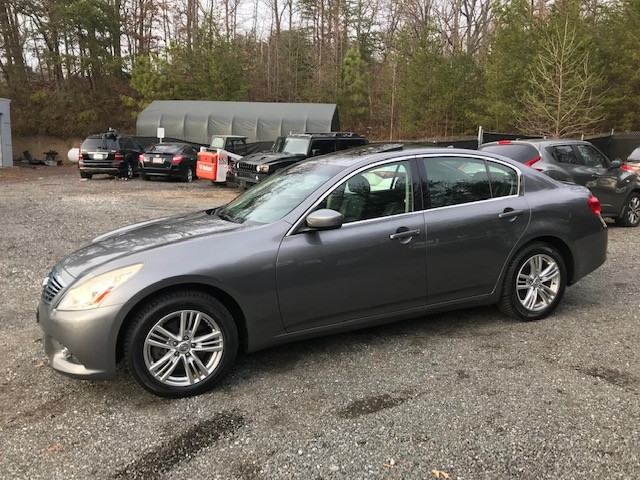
{"x": 247, "y": 167}
{"x": 52, "y": 288}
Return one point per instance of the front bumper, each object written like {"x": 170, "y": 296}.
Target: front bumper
{"x": 80, "y": 344}
{"x": 244, "y": 178}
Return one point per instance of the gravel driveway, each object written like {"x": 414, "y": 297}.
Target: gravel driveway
{"x": 468, "y": 395}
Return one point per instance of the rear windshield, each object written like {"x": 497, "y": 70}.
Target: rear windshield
{"x": 217, "y": 142}
{"x": 518, "y": 152}
{"x": 634, "y": 156}
{"x": 92, "y": 144}
{"x": 165, "y": 148}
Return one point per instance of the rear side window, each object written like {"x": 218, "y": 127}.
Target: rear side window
{"x": 504, "y": 180}
{"x": 565, "y": 154}
{"x": 455, "y": 180}
{"x": 518, "y": 152}
{"x": 323, "y": 146}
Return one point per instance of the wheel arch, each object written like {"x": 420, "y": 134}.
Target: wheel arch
{"x": 560, "y": 245}
{"x": 225, "y": 298}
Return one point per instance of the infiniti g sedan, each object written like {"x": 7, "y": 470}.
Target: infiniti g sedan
{"x": 335, "y": 243}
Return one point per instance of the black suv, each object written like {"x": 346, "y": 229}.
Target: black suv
{"x": 109, "y": 153}
{"x": 615, "y": 184}
{"x": 291, "y": 149}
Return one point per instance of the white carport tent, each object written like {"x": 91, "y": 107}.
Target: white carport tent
{"x": 196, "y": 121}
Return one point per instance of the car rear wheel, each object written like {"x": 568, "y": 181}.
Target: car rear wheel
{"x": 181, "y": 344}
{"x": 630, "y": 215}
{"x": 128, "y": 173}
{"x": 535, "y": 282}
{"x": 188, "y": 175}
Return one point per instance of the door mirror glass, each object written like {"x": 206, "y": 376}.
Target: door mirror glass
{"x": 617, "y": 163}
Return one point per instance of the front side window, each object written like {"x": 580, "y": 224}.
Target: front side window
{"x": 380, "y": 191}
{"x": 321, "y": 147}
{"x": 455, "y": 180}
{"x": 592, "y": 157}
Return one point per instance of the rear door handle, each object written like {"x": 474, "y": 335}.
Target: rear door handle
{"x": 510, "y": 213}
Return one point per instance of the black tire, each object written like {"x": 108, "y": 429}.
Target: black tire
{"x": 188, "y": 175}
{"x": 129, "y": 172}
{"x": 208, "y": 366}
{"x": 85, "y": 175}
{"x": 630, "y": 214}
{"x": 534, "y": 298}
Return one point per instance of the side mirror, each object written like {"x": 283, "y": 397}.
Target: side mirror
{"x": 617, "y": 163}
{"x": 315, "y": 152}
{"x": 324, "y": 219}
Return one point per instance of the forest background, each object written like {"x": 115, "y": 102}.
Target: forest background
{"x": 398, "y": 69}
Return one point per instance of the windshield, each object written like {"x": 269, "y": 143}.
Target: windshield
{"x": 272, "y": 199}
{"x": 294, "y": 146}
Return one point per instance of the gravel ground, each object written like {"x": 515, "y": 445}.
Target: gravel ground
{"x": 468, "y": 395}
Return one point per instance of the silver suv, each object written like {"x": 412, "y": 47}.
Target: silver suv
{"x": 615, "y": 184}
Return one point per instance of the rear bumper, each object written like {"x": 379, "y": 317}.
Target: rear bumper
{"x": 96, "y": 170}
{"x": 590, "y": 253}
{"x": 172, "y": 172}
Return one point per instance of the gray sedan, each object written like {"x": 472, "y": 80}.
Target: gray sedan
{"x": 336, "y": 243}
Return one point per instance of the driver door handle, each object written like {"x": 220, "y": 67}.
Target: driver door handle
{"x": 404, "y": 234}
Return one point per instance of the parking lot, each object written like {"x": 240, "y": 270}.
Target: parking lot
{"x": 470, "y": 394}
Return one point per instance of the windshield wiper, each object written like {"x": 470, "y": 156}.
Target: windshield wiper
{"x": 227, "y": 217}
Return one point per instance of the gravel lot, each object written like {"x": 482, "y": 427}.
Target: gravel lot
{"x": 470, "y": 394}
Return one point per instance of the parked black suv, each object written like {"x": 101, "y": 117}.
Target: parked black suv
{"x": 291, "y": 149}
{"x": 615, "y": 184}
{"x": 109, "y": 153}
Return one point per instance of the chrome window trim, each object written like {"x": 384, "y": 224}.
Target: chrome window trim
{"x": 300, "y": 220}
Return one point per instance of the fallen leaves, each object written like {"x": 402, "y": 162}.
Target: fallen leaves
{"x": 441, "y": 474}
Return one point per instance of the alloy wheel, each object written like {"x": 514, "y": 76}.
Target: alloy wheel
{"x": 633, "y": 210}
{"x": 538, "y": 282}
{"x": 183, "y": 348}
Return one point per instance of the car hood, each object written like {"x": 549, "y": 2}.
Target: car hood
{"x": 144, "y": 236}
{"x": 264, "y": 158}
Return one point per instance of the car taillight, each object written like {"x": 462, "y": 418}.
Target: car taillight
{"x": 504, "y": 142}
{"x": 80, "y": 157}
{"x": 141, "y": 158}
{"x": 594, "y": 205}
{"x": 532, "y": 161}
{"x": 118, "y": 157}
{"x": 628, "y": 168}
{"x": 176, "y": 159}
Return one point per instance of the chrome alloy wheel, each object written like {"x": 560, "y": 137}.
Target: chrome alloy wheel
{"x": 538, "y": 282}
{"x": 183, "y": 348}
{"x": 633, "y": 210}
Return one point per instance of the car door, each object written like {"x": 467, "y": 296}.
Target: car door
{"x": 475, "y": 217}
{"x": 374, "y": 264}
{"x": 610, "y": 185}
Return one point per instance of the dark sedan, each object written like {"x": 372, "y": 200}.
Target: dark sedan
{"x": 172, "y": 160}
{"x": 335, "y": 243}
{"x": 615, "y": 184}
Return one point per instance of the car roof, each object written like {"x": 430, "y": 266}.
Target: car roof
{"x": 229, "y": 136}
{"x": 365, "y": 155}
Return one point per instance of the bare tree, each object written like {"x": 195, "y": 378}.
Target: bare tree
{"x": 563, "y": 98}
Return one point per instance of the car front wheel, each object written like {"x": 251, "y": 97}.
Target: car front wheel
{"x": 630, "y": 215}
{"x": 181, "y": 344}
{"x": 535, "y": 282}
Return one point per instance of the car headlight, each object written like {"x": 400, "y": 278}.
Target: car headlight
{"x": 90, "y": 293}
{"x": 263, "y": 168}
